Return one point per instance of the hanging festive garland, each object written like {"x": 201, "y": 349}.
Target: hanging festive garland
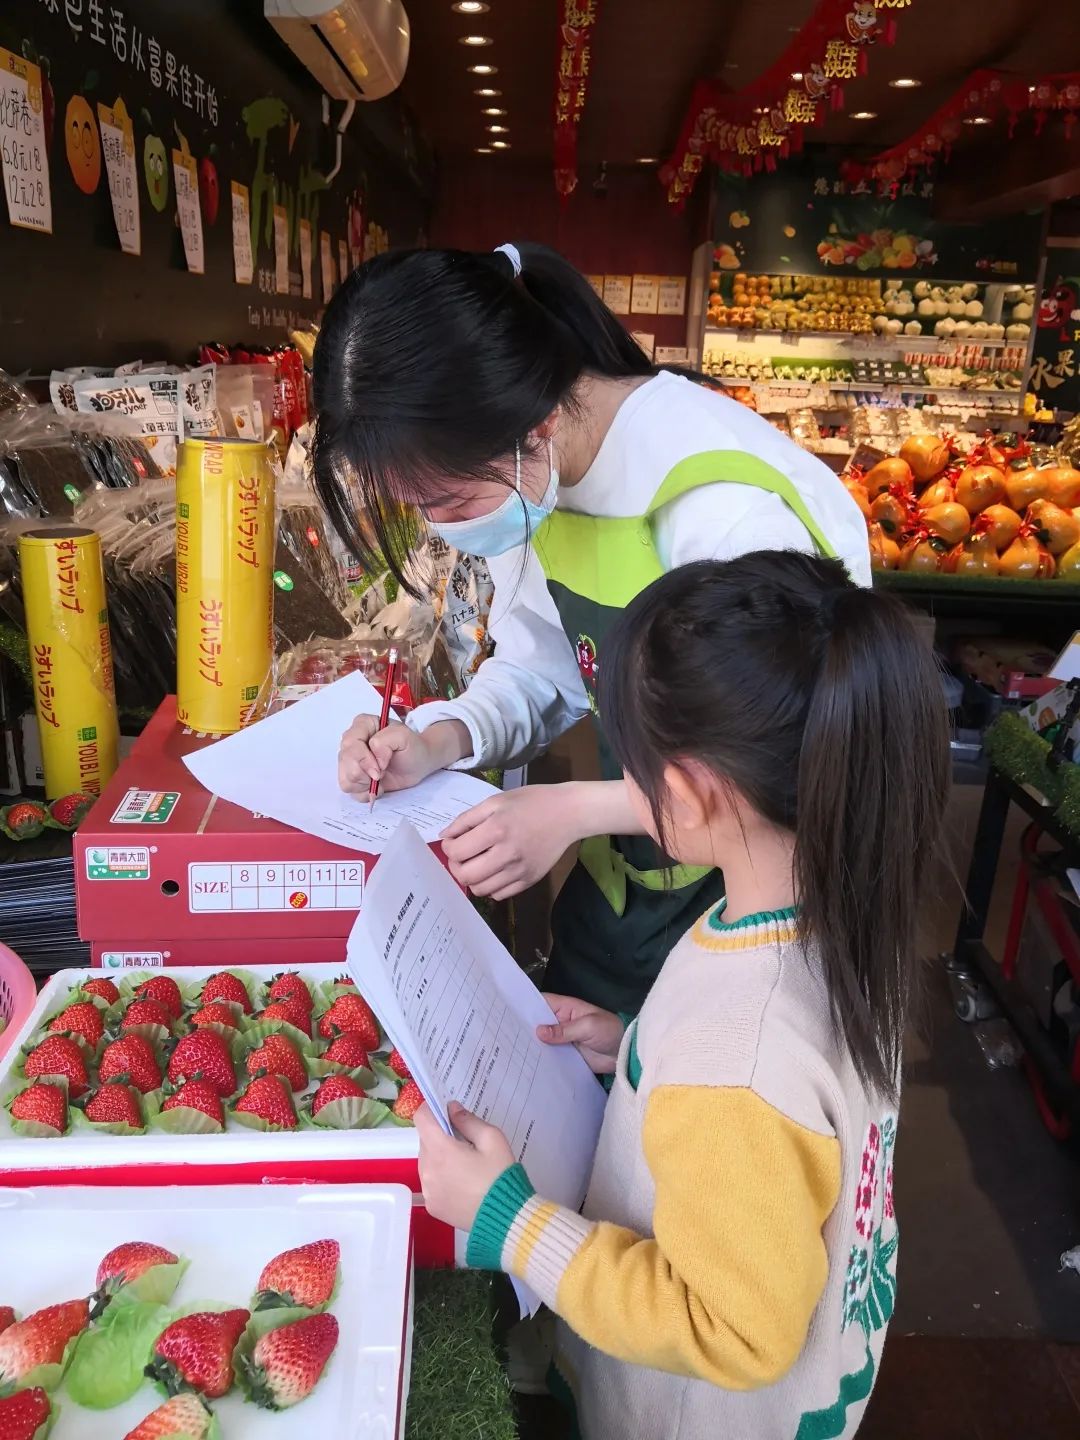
{"x": 984, "y": 93}
{"x": 576, "y": 21}
{"x": 746, "y": 131}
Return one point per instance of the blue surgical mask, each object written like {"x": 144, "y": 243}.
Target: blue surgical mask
{"x": 508, "y": 525}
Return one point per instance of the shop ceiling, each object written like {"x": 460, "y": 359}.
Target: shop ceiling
{"x": 646, "y": 55}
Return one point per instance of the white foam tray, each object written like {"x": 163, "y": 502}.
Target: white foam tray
{"x": 228, "y": 1233}
{"x": 81, "y": 1148}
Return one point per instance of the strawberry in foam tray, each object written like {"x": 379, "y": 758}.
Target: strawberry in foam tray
{"x": 208, "y": 1075}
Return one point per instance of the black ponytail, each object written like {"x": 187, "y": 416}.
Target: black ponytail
{"x": 821, "y": 705}
{"x": 432, "y": 365}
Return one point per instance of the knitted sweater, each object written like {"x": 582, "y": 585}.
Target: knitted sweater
{"x": 734, "y": 1267}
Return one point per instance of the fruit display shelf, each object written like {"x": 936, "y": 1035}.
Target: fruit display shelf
{"x": 87, "y": 1154}
{"x": 223, "y": 1237}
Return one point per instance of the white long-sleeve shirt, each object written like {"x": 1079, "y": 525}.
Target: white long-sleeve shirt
{"x": 530, "y": 691}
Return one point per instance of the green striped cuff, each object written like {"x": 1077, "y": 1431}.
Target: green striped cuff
{"x": 497, "y": 1213}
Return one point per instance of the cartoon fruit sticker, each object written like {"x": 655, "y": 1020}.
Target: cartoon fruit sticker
{"x": 83, "y": 144}
{"x": 209, "y": 189}
{"x": 156, "y": 171}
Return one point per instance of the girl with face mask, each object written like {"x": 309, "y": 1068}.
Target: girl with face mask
{"x": 499, "y": 396}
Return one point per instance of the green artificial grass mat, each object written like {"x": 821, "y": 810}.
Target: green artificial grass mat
{"x": 458, "y": 1390}
{"x": 1014, "y": 750}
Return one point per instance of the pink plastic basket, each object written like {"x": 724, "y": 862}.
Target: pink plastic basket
{"x": 17, "y": 996}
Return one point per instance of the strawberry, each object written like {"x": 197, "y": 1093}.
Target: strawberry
{"x": 351, "y": 1012}
{"x": 24, "y": 820}
{"x": 408, "y": 1101}
{"x": 40, "y": 1339}
{"x": 124, "y": 1264}
{"x": 131, "y": 1060}
{"x": 146, "y": 1011}
{"x": 287, "y": 1363}
{"x": 103, "y": 989}
{"x": 183, "y": 1416}
{"x": 198, "y": 1095}
{"x": 224, "y": 986}
{"x": 305, "y": 1276}
{"x": 204, "y": 1056}
{"x": 277, "y": 1055}
{"x": 335, "y": 1087}
{"x": 293, "y": 1011}
{"x": 163, "y": 989}
{"x": 289, "y": 986}
{"x": 269, "y": 1097}
{"x": 345, "y": 980}
{"x": 59, "y": 1055}
{"x": 195, "y": 1353}
{"x": 23, "y": 1414}
{"x": 83, "y": 1018}
{"x": 43, "y": 1104}
{"x": 116, "y": 1104}
{"x": 70, "y": 810}
{"x": 7, "y": 1317}
{"x": 396, "y": 1062}
{"x": 216, "y": 1013}
{"x": 348, "y": 1050}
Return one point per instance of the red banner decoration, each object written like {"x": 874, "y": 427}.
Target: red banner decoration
{"x": 576, "y": 21}
{"x": 985, "y": 93}
{"x": 746, "y": 131}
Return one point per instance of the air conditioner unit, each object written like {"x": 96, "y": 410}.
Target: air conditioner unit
{"x": 357, "y": 50}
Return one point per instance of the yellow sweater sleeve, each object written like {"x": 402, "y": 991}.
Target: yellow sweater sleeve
{"x": 726, "y": 1289}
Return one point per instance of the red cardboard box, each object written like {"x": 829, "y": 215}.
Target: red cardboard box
{"x": 159, "y": 856}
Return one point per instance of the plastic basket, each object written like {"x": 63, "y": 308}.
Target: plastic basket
{"x": 17, "y": 996}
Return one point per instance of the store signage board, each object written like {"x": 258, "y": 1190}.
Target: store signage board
{"x": 597, "y": 283}
{"x": 281, "y": 250}
{"x": 23, "y": 146}
{"x": 306, "y": 286}
{"x": 671, "y": 297}
{"x": 343, "y": 260}
{"x": 645, "y": 295}
{"x": 243, "y": 260}
{"x": 617, "y": 293}
{"x": 326, "y": 265}
{"x": 188, "y": 211}
{"x": 118, "y": 148}
{"x": 1055, "y": 373}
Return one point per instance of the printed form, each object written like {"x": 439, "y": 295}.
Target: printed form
{"x": 464, "y": 1016}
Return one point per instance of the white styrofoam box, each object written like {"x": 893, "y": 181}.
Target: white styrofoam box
{"x": 83, "y": 1147}
{"x": 229, "y": 1233}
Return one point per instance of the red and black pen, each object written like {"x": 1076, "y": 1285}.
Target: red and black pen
{"x": 384, "y": 716}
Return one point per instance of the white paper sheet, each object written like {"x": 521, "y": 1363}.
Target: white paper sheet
{"x": 286, "y": 767}
{"x": 464, "y": 1016}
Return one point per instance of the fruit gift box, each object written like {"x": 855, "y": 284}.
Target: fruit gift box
{"x": 209, "y": 1076}
{"x": 212, "y": 1313}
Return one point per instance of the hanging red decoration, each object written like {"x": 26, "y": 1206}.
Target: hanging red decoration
{"x": 577, "y": 19}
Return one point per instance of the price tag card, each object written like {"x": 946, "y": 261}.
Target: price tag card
{"x": 671, "y": 299}
{"x": 670, "y": 355}
{"x": 306, "y": 289}
{"x": 281, "y": 250}
{"x": 597, "y": 283}
{"x": 118, "y": 148}
{"x": 343, "y": 260}
{"x": 243, "y": 258}
{"x": 645, "y": 295}
{"x": 187, "y": 208}
{"x": 617, "y": 293}
{"x": 326, "y": 262}
{"x": 22, "y": 144}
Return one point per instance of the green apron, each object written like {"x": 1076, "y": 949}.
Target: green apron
{"x": 625, "y": 903}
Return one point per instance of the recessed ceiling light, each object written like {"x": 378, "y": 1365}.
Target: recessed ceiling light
{"x": 470, "y": 7}
{"x": 487, "y": 91}
{"x": 483, "y": 69}
{"x": 500, "y": 144}
{"x": 647, "y": 160}
{"x": 493, "y": 110}
{"x": 474, "y": 39}
{"x": 864, "y": 115}
{"x": 906, "y": 82}
{"x": 1031, "y": 89}
{"x": 796, "y": 74}
{"x": 978, "y": 120}
{"x": 497, "y": 130}
{"x": 483, "y": 149}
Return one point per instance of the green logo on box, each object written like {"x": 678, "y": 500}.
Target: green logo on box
{"x": 90, "y": 733}
{"x": 250, "y": 693}
{"x": 184, "y": 511}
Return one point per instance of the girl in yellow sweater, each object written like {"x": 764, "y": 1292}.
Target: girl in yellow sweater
{"x": 733, "y": 1270}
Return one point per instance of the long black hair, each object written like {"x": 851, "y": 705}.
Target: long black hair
{"x": 820, "y": 704}
{"x": 432, "y": 365}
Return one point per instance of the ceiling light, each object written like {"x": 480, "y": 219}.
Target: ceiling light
{"x": 483, "y": 149}
{"x": 500, "y": 144}
{"x": 470, "y": 7}
{"x": 863, "y": 115}
{"x": 1031, "y": 89}
{"x": 978, "y": 120}
{"x": 474, "y": 39}
{"x": 483, "y": 69}
{"x": 493, "y": 110}
{"x": 497, "y": 130}
{"x": 487, "y": 91}
{"x": 647, "y": 160}
{"x": 905, "y": 83}
{"x": 796, "y": 74}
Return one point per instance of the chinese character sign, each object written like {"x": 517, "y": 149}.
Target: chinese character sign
{"x": 1055, "y": 363}
{"x": 188, "y": 212}
{"x": 118, "y": 148}
{"x": 22, "y": 144}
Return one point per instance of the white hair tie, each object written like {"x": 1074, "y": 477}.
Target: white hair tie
{"x": 513, "y": 254}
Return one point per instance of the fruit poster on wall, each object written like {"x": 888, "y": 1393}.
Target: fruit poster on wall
{"x": 1055, "y": 363}
{"x": 810, "y": 220}
{"x": 112, "y": 90}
